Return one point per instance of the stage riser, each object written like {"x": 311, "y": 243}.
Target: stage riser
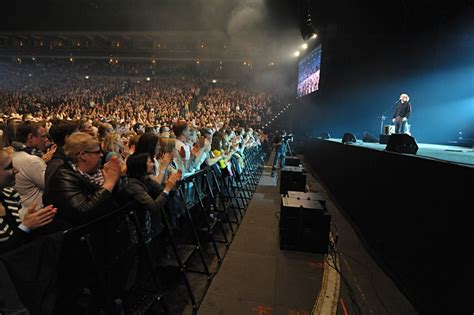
{"x": 412, "y": 213}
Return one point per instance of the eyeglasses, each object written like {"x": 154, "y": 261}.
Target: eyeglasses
{"x": 94, "y": 152}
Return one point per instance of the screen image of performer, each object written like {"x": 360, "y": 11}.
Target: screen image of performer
{"x": 402, "y": 112}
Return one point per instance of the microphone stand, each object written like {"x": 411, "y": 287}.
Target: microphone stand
{"x": 383, "y": 117}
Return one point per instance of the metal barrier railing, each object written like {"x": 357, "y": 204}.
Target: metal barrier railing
{"x": 111, "y": 259}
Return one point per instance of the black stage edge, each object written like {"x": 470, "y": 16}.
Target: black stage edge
{"x": 414, "y": 215}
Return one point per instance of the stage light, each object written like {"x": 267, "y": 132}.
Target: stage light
{"x": 148, "y": 79}
{"x": 87, "y": 77}
{"x": 304, "y": 46}
{"x": 296, "y": 53}
{"x": 214, "y": 81}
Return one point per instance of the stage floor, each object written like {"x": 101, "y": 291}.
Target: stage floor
{"x": 454, "y": 154}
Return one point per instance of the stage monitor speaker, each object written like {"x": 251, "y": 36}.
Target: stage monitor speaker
{"x": 292, "y": 161}
{"x": 384, "y": 139}
{"x": 292, "y": 178}
{"x": 303, "y": 226}
{"x": 349, "y": 138}
{"x": 324, "y": 135}
{"x": 402, "y": 143}
{"x": 368, "y": 137}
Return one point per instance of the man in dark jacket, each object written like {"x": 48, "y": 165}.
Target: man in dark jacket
{"x": 402, "y": 112}
{"x": 58, "y": 131}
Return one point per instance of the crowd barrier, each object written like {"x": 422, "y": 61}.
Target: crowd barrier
{"x": 113, "y": 264}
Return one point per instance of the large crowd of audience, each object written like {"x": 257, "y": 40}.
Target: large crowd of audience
{"x": 74, "y": 148}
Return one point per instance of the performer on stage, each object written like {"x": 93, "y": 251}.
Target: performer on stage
{"x": 400, "y": 117}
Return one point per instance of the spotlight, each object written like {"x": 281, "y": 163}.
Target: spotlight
{"x": 296, "y": 53}
{"x": 304, "y": 46}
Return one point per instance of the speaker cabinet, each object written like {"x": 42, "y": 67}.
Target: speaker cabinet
{"x": 384, "y": 139}
{"x": 292, "y": 178}
{"x": 304, "y": 226}
{"x": 349, "y": 138}
{"x": 370, "y": 138}
{"x": 402, "y": 143}
{"x": 292, "y": 161}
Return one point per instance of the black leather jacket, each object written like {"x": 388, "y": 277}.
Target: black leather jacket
{"x": 78, "y": 200}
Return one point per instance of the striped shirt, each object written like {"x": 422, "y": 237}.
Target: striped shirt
{"x": 10, "y": 200}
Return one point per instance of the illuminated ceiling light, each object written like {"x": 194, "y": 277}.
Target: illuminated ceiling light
{"x": 304, "y": 46}
{"x": 314, "y": 36}
{"x": 33, "y": 58}
{"x": 245, "y": 63}
{"x": 296, "y": 53}
{"x": 71, "y": 60}
{"x": 148, "y": 79}
{"x": 87, "y": 77}
{"x": 138, "y": 81}
{"x": 198, "y": 62}
{"x": 214, "y": 81}
{"x": 153, "y": 61}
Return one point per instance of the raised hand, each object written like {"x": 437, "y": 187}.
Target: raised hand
{"x": 172, "y": 180}
{"x": 111, "y": 171}
{"x": 48, "y": 155}
{"x": 34, "y": 219}
{"x": 166, "y": 159}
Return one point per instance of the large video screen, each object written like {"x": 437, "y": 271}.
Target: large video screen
{"x": 308, "y": 72}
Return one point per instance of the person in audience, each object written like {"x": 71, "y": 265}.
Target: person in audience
{"x": 182, "y": 153}
{"x": 148, "y": 193}
{"x": 79, "y": 188}
{"x": 28, "y": 143}
{"x": 149, "y": 143}
{"x": 14, "y": 231}
{"x": 166, "y": 165}
{"x": 60, "y": 130}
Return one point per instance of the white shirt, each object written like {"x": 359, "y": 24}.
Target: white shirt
{"x": 29, "y": 180}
